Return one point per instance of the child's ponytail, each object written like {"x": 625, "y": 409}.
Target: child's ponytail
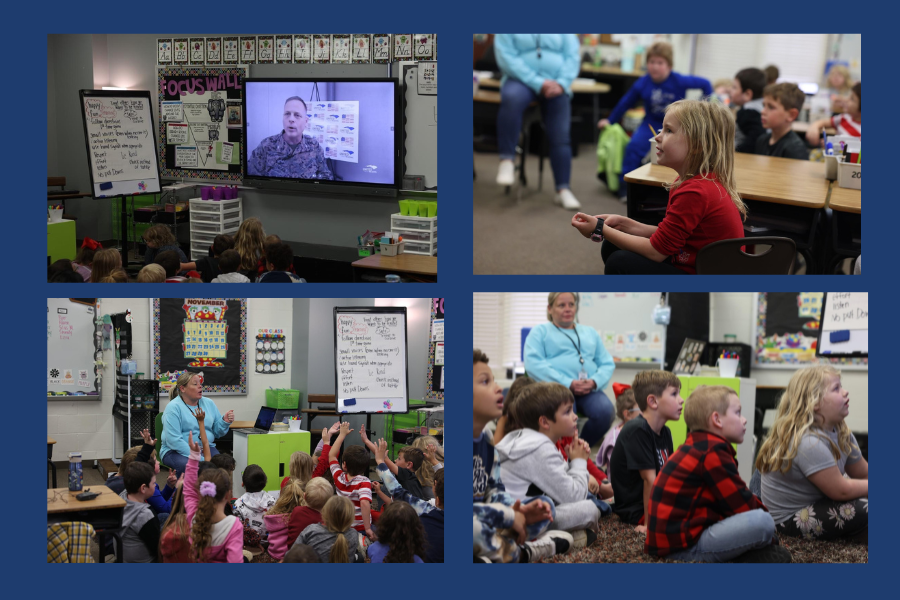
{"x": 337, "y": 516}
{"x": 213, "y": 484}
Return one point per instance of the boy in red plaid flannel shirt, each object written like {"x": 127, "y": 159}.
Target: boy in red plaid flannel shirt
{"x": 700, "y": 508}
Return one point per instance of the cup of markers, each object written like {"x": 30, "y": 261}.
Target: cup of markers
{"x": 56, "y": 213}
{"x": 728, "y": 364}
{"x": 294, "y": 424}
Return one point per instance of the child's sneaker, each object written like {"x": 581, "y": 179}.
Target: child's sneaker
{"x": 507, "y": 173}
{"x": 567, "y": 199}
{"x": 549, "y": 544}
{"x": 583, "y": 538}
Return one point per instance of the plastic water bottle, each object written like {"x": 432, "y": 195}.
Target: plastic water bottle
{"x": 75, "y": 472}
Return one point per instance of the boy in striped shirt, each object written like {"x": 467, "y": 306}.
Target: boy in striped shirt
{"x": 350, "y": 480}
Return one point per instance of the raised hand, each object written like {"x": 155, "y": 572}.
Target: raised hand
{"x": 172, "y": 479}
{"x": 199, "y": 414}
{"x": 147, "y": 439}
{"x": 345, "y": 429}
{"x": 194, "y": 446}
{"x": 380, "y": 451}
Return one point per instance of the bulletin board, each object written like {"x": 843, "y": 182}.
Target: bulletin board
{"x": 202, "y": 335}
{"x": 73, "y": 344}
{"x": 787, "y": 330}
{"x": 200, "y": 122}
{"x": 434, "y": 386}
{"x": 624, "y": 321}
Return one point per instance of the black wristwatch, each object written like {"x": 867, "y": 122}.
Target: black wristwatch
{"x": 597, "y": 236}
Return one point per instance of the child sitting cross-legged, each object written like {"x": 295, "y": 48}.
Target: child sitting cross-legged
{"x": 278, "y": 516}
{"x": 215, "y": 536}
{"x": 252, "y": 506}
{"x": 140, "y": 527}
{"x": 532, "y": 466}
{"x": 335, "y": 539}
{"x": 626, "y": 410}
{"x": 315, "y": 495}
{"x": 351, "y": 482}
{"x": 229, "y": 263}
{"x": 644, "y": 444}
{"x": 409, "y": 460}
{"x": 279, "y": 263}
{"x": 700, "y": 508}
{"x": 401, "y": 537}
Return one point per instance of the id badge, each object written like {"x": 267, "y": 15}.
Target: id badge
{"x": 582, "y": 375}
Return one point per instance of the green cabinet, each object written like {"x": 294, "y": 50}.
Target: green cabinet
{"x": 61, "y": 240}
{"x": 270, "y": 451}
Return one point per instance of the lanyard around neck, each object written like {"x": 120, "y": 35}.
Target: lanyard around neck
{"x": 578, "y": 347}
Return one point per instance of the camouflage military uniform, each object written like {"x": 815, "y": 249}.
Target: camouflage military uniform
{"x": 274, "y": 157}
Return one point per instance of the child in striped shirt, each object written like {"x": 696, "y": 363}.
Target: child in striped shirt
{"x": 351, "y": 482}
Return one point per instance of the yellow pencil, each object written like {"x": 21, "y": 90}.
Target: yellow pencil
{"x": 651, "y": 129}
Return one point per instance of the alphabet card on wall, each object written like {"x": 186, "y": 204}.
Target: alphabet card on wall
{"x": 265, "y": 49}
{"x": 214, "y": 51}
{"x": 164, "y": 51}
{"x": 340, "y": 48}
{"x": 283, "y": 44}
{"x": 360, "y": 47}
{"x": 402, "y": 46}
{"x": 248, "y": 50}
{"x": 197, "y": 51}
{"x": 322, "y": 49}
{"x": 424, "y": 46}
{"x": 381, "y": 48}
{"x": 230, "y": 50}
{"x": 181, "y": 55}
{"x": 302, "y": 48}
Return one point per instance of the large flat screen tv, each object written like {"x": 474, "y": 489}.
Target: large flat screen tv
{"x": 338, "y": 135}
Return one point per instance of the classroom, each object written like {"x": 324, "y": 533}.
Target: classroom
{"x": 671, "y": 427}
{"x": 741, "y": 180}
{"x": 320, "y": 422}
{"x": 165, "y": 149}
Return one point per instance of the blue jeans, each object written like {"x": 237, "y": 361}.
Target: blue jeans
{"x": 600, "y": 413}
{"x": 556, "y": 114}
{"x": 178, "y": 462}
{"x": 730, "y": 538}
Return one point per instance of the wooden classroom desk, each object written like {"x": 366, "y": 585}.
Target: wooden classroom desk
{"x": 782, "y": 194}
{"x": 104, "y": 512}
{"x": 614, "y": 71}
{"x": 412, "y": 264}
{"x": 845, "y": 200}
{"x": 50, "y": 466}
{"x": 241, "y": 424}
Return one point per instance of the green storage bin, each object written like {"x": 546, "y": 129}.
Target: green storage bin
{"x": 283, "y": 398}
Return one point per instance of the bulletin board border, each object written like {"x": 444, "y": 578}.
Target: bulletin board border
{"x": 213, "y": 390}
{"x": 432, "y": 395}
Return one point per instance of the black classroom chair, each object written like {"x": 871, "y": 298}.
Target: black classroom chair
{"x": 725, "y": 257}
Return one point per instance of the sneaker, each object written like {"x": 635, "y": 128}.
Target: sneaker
{"x": 567, "y": 199}
{"x": 769, "y": 554}
{"x": 583, "y": 538}
{"x": 549, "y": 544}
{"x": 507, "y": 173}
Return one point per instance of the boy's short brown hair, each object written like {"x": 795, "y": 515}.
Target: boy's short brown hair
{"x": 752, "y": 79}
{"x": 128, "y": 458}
{"x": 662, "y": 50}
{"x": 357, "y": 460}
{"x": 704, "y": 401}
{"x": 229, "y": 261}
{"x": 652, "y": 383}
{"x": 479, "y": 356}
{"x": 414, "y": 456}
{"x": 170, "y": 261}
{"x": 136, "y": 475}
{"x": 787, "y": 94}
{"x": 538, "y": 400}
{"x": 771, "y": 73}
{"x": 625, "y": 401}
{"x": 439, "y": 485}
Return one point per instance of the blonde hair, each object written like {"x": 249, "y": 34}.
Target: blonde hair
{"x": 177, "y": 520}
{"x": 105, "y": 262}
{"x": 201, "y": 525}
{"x": 795, "y": 417}
{"x": 183, "y": 380}
{"x": 551, "y": 300}
{"x": 425, "y": 473}
{"x": 291, "y": 497}
{"x": 317, "y": 493}
{"x": 160, "y": 235}
{"x": 302, "y": 465}
{"x": 248, "y": 242}
{"x": 116, "y": 276}
{"x": 152, "y": 273}
{"x": 708, "y": 129}
{"x": 662, "y": 50}
{"x": 842, "y": 70}
{"x": 337, "y": 516}
{"x": 703, "y": 402}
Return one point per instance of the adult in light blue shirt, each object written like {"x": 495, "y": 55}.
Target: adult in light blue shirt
{"x": 179, "y": 420}
{"x": 537, "y": 67}
{"x": 573, "y": 355}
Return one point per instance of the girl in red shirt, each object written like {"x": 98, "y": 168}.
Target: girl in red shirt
{"x": 697, "y": 141}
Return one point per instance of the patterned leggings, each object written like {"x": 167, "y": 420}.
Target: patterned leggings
{"x": 500, "y": 545}
{"x": 828, "y": 520}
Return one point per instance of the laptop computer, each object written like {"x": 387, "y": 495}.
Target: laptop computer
{"x": 263, "y": 421}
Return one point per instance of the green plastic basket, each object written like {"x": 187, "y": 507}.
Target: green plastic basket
{"x": 283, "y": 398}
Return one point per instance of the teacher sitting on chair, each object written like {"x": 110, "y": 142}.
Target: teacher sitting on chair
{"x": 564, "y": 352}
{"x": 179, "y": 420}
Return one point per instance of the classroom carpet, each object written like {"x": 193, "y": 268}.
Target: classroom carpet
{"x": 534, "y": 236}
{"x": 617, "y": 542}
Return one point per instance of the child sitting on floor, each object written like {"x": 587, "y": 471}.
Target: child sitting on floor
{"x": 697, "y": 141}
{"x": 409, "y": 460}
{"x": 700, "y": 508}
{"x": 301, "y": 553}
{"x": 170, "y": 261}
{"x": 351, "y": 482}
{"x": 815, "y": 480}
{"x": 252, "y": 506}
{"x": 315, "y": 495}
{"x": 644, "y": 444}
{"x": 152, "y": 273}
{"x": 229, "y": 263}
{"x": 279, "y": 264}
{"x": 140, "y": 527}
{"x": 278, "y": 516}
{"x": 626, "y": 410}
{"x": 208, "y": 266}
{"x": 401, "y": 537}
{"x": 105, "y": 262}
{"x": 301, "y": 468}
{"x": 433, "y": 454}
{"x": 85, "y": 257}
{"x": 335, "y": 539}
